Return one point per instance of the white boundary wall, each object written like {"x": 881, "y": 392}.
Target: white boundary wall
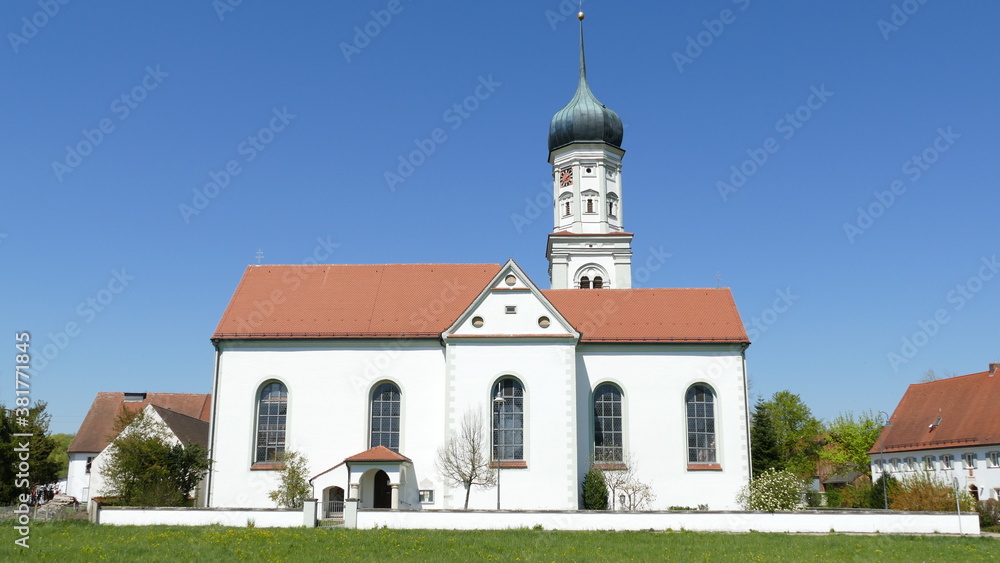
{"x": 237, "y": 517}
{"x": 805, "y": 521}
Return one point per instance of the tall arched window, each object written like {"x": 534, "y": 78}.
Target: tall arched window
{"x": 272, "y": 411}
{"x": 508, "y": 420}
{"x": 598, "y": 282}
{"x": 701, "y": 424}
{"x": 608, "y": 424}
{"x": 585, "y": 282}
{"x": 386, "y": 401}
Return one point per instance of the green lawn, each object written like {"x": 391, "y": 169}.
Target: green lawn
{"x": 81, "y": 541}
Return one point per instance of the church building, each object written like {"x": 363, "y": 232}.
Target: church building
{"x": 367, "y": 370}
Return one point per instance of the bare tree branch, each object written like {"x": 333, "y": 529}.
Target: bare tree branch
{"x": 465, "y": 459}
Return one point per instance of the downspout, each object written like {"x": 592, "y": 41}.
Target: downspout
{"x": 746, "y": 406}
{"x": 211, "y": 424}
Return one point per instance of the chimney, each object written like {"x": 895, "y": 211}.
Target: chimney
{"x": 994, "y": 368}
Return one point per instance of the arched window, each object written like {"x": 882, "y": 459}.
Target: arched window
{"x": 508, "y": 420}
{"x": 386, "y": 400}
{"x": 701, "y": 424}
{"x": 584, "y": 282}
{"x": 608, "y": 424}
{"x": 598, "y": 282}
{"x": 272, "y": 412}
{"x": 567, "y": 213}
{"x": 590, "y": 205}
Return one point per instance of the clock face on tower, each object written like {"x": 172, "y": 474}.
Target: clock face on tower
{"x": 566, "y": 177}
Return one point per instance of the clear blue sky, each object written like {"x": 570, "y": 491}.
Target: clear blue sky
{"x": 178, "y": 91}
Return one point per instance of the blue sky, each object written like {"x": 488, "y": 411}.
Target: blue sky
{"x": 117, "y": 115}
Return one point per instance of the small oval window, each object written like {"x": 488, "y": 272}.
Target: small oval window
{"x": 544, "y": 322}
{"x": 477, "y": 322}
{"x": 510, "y": 279}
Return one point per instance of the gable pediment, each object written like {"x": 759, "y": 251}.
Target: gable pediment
{"x": 510, "y": 306}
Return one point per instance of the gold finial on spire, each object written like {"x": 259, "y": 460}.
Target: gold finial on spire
{"x": 580, "y": 16}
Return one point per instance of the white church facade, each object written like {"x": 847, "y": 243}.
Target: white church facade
{"x": 367, "y": 370}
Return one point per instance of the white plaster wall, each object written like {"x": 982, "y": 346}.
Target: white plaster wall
{"x": 329, "y": 388}
{"x": 77, "y": 478}
{"x": 739, "y": 522}
{"x": 546, "y": 370}
{"x": 654, "y": 380}
{"x": 984, "y": 475}
{"x": 200, "y": 517}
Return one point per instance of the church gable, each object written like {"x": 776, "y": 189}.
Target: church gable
{"x": 511, "y": 306}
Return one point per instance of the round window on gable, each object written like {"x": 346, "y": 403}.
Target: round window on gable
{"x": 544, "y": 322}
{"x": 510, "y": 279}
{"x": 477, "y": 322}
{"x": 589, "y": 170}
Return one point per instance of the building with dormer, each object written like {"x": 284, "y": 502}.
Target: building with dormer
{"x": 367, "y": 370}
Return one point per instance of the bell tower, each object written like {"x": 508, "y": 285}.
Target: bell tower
{"x": 588, "y": 247}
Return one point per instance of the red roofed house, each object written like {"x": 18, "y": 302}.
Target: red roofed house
{"x": 950, "y": 427}
{"x": 345, "y": 363}
{"x": 97, "y": 430}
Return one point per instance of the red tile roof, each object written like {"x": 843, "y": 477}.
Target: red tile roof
{"x": 651, "y": 315}
{"x": 422, "y": 300}
{"x": 378, "y": 453}
{"x": 97, "y": 429}
{"x": 967, "y": 406}
{"x": 331, "y": 301}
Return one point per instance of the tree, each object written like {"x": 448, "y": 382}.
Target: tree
{"x": 146, "y": 467}
{"x": 772, "y": 490}
{"x": 464, "y": 459}
{"x": 848, "y": 441}
{"x": 929, "y": 376}
{"x": 627, "y": 491}
{"x": 39, "y": 447}
{"x": 293, "y": 486}
{"x": 595, "y": 492}
{"x": 59, "y": 455}
{"x": 764, "y": 453}
{"x": 797, "y": 433}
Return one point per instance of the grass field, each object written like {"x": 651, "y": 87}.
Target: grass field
{"x": 82, "y": 541}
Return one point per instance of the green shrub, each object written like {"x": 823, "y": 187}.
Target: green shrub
{"x": 989, "y": 513}
{"x": 814, "y": 499}
{"x": 595, "y": 491}
{"x": 886, "y": 483}
{"x": 772, "y": 490}
{"x": 925, "y": 492}
{"x": 834, "y": 498}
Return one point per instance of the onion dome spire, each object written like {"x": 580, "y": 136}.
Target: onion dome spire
{"x": 585, "y": 118}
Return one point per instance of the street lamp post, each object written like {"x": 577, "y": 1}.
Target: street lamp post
{"x": 498, "y": 405}
{"x": 881, "y": 455}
